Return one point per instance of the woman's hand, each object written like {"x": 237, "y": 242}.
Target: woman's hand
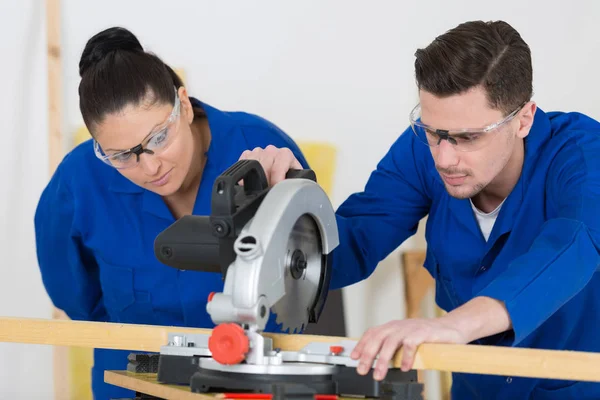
{"x": 276, "y": 162}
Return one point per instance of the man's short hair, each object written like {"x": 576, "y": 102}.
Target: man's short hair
{"x": 488, "y": 54}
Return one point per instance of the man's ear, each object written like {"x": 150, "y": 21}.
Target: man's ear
{"x": 186, "y": 109}
{"x": 526, "y": 117}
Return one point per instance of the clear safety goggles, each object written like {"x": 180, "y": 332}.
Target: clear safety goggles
{"x": 154, "y": 143}
{"x": 468, "y": 139}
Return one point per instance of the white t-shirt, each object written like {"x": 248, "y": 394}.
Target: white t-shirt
{"x": 486, "y": 220}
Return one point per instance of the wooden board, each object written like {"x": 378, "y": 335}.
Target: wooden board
{"x": 491, "y": 360}
{"x": 55, "y": 152}
{"x": 108, "y": 335}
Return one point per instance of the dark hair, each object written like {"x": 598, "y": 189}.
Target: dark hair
{"x": 490, "y": 54}
{"x": 116, "y": 71}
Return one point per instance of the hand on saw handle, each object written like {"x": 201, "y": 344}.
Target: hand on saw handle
{"x": 276, "y": 162}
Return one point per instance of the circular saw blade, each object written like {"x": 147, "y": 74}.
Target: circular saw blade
{"x": 303, "y": 267}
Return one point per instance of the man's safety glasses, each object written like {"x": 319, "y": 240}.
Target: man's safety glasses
{"x": 468, "y": 139}
{"x": 154, "y": 143}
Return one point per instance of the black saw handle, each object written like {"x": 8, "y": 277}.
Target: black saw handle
{"x": 205, "y": 243}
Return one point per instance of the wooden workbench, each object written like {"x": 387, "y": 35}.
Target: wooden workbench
{"x": 146, "y": 383}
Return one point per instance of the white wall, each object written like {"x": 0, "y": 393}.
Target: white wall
{"x": 337, "y": 70}
{"x": 23, "y": 165}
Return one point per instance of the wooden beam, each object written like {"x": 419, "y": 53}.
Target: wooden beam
{"x": 508, "y": 361}
{"x": 55, "y": 154}
{"x": 475, "y": 359}
{"x": 54, "y": 83}
{"x": 88, "y": 334}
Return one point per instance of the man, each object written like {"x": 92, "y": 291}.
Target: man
{"x": 513, "y": 230}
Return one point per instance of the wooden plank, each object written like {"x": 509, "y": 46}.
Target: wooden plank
{"x": 55, "y": 153}
{"x": 54, "y": 83}
{"x": 88, "y": 334}
{"x": 535, "y": 363}
{"x": 147, "y": 384}
{"x": 110, "y": 335}
{"x": 508, "y": 361}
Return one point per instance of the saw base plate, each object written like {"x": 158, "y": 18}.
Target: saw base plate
{"x": 208, "y": 380}
{"x": 344, "y": 381}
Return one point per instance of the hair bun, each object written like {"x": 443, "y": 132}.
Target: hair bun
{"x": 105, "y": 42}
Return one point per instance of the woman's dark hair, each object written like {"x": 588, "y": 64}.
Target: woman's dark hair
{"x": 116, "y": 71}
{"x": 490, "y": 54}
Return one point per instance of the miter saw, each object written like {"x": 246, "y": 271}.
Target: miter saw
{"x": 272, "y": 245}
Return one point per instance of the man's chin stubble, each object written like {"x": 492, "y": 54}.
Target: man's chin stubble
{"x": 463, "y": 195}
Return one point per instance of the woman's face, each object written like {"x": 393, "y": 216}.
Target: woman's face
{"x": 162, "y": 129}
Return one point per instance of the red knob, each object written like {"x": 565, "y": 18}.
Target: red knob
{"x": 228, "y": 344}
{"x": 210, "y": 296}
{"x": 336, "y": 350}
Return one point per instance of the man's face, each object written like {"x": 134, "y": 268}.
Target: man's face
{"x": 465, "y": 174}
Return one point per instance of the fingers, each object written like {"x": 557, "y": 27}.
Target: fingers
{"x": 368, "y": 354}
{"x": 265, "y": 158}
{"x": 390, "y": 345}
{"x": 284, "y": 160}
{"x": 409, "y": 349}
{"x": 274, "y": 161}
{"x": 382, "y": 343}
{"x": 358, "y": 349}
{"x": 369, "y": 346}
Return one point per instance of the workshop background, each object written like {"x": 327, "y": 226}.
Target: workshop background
{"x": 335, "y": 75}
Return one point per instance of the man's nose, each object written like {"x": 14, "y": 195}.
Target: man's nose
{"x": 446, "y": 155}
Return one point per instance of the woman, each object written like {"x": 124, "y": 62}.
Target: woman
{"x": 154, "y": 156}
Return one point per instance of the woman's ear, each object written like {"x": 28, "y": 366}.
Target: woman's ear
{"x": 526, "y": 117}
{"x": 186, "y": 109}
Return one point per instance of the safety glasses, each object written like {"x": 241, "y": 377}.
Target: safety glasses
{"x": 468, "y": 139}
{"x": 155, "y": 143}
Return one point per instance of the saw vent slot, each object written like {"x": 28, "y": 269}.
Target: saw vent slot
{"x": 246, "y": 245}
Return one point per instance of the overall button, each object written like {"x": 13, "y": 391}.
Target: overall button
{"x": 483, "y": 268}
{"x": 508, "y": 380}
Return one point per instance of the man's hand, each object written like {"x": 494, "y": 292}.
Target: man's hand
{"x": 477, "y": 318}
{"x": 275, "y": 162}
{"x": 407, "y": 334}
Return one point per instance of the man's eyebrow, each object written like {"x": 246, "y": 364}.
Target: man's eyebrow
{"x": 152, "y": 131}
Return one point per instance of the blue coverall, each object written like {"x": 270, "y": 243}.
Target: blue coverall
{"x": 541, "y": 258}
{"x": 95, "y": 233}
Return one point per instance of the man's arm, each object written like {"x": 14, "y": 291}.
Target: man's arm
{"x": 478, "y": 318}
{"x": 374, "y": 222}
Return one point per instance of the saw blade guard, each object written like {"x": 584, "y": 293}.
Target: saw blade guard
{"x": 256, "y": 280}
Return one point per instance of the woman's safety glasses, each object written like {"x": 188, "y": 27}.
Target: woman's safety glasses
{"x": 154, "y": 143}
{"x": 469, "y": 139}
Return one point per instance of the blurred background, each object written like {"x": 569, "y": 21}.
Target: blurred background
{"x": 333, "y": 74}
